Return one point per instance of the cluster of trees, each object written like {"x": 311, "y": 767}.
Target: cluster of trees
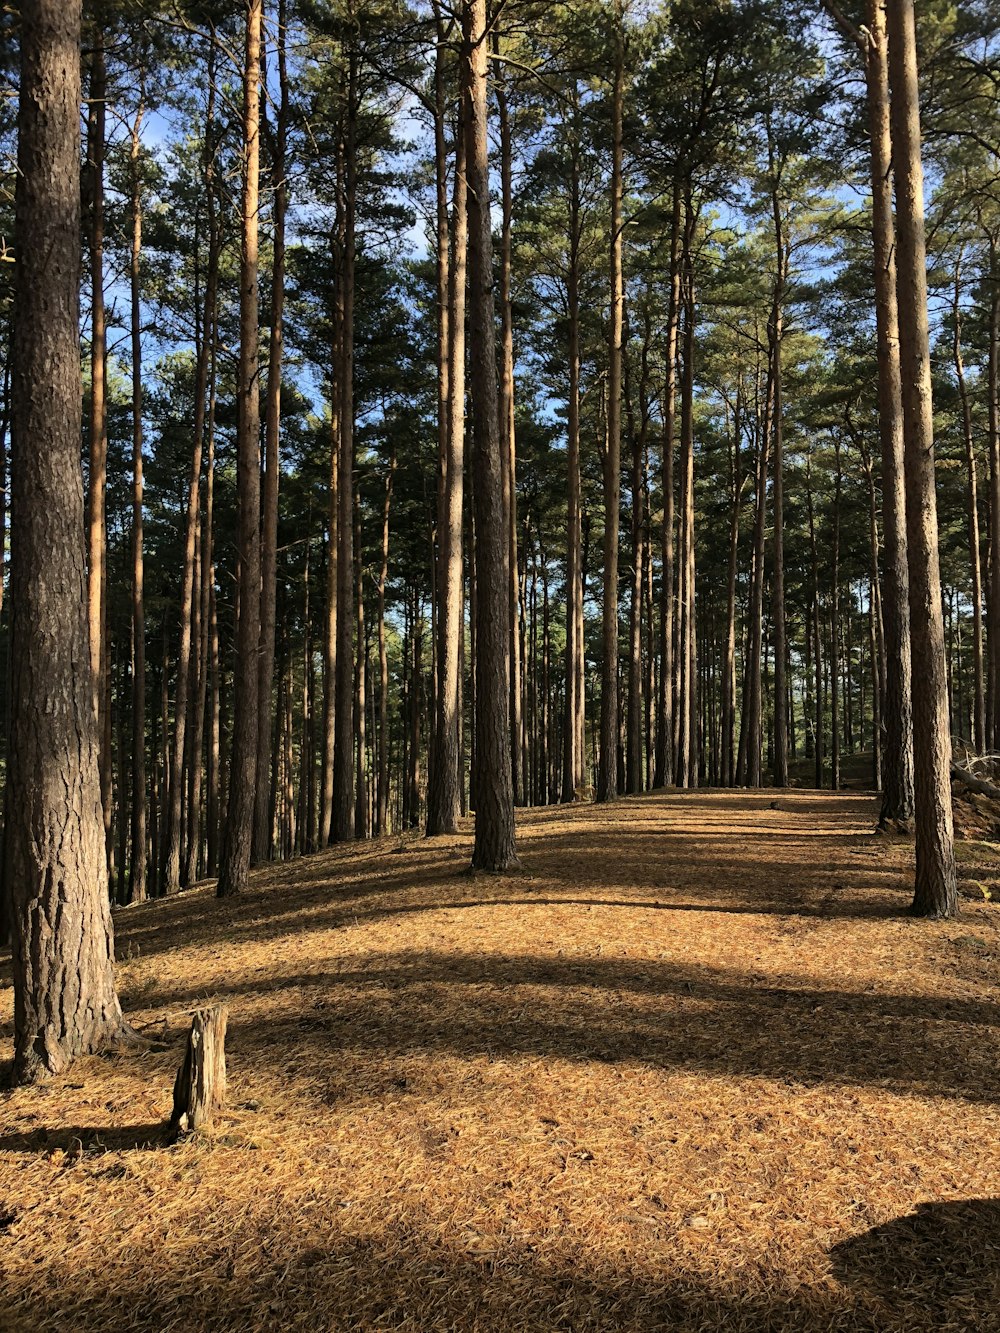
{"x": 481, "y": 405}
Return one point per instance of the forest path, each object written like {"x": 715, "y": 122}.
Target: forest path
{"x": 692, "y": 1069}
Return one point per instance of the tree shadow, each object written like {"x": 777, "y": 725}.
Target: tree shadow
{"x": 660, "y": 1015}
{"x": 943, "y": 1260}
{"x": 710, "y": 882}
{"x": 820, "y": 884}
{"x": 934, "y": 1270}
{"x": 406, "y": 970}
{"x": 615, "y": 850}
{"x": 89, "y": 1139}
{"x": 410, "y": 1280}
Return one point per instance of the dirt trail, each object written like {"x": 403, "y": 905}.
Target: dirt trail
{"x": 693, "y": 1069}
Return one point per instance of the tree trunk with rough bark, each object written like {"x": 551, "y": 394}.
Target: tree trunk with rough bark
{"x": 332, "y": 542}
{"x": 935, "y": 890}
{"x": 137, "y": 886}
{"x": 382, "y": 764}
{"x": 975, "y": 569}
{"x": 607, "y": 782}
{"x": 173, "y": 877}
{"x": 687, "y": 684}
{"x": 993, "y": 416}
{"x": 97, "y": 526}
{"x": 342, "y": 827}
{"x": 518, "y": 741}
{"x": 237, "y": 845}
{"x": 493, "y": 846}
{"x": 444, "y": 785}
{"x": 665, "y": 754}
{"x": 574, "y": 763}
{"x": 55, "y": 855}
{"x": 780, "y": 763}
{"x": 728, "y": 766}
{"x": 636, "y": 704}
{"x": 263, "y": 812}
{"x": 835, "y": 625}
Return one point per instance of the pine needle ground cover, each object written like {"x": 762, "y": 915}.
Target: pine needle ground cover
{"x": 693, "y": 1069}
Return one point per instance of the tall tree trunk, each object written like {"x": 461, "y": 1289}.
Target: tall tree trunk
{"x": 123, "y": 751}
{"x": 473, "y": 620}
{"x": 206, "y": 668}
{"x": 816, "y": 633}
{"x": 343, "y": 763}
{"x": 548, "y": 759}
{"x": 636, "y": 709}
{"x": 975, "y": 571}
{"x": 444, "y": 786}
{"x": 288, "y": 826}
{"x": 876, "y": 636}
{"x": 518, "y": 741}
{"x": 573, "y": 749}
{"x": 993, "y": 409}
{"x": 897, "y": 788}
{"x": 414, "y": 699}
{"x": 753, "y": 689}
{"x": 97, "y": 526}
{"x": 878, "y": 687}
{"x": 493, "y": 847}
{"x": 263, "y": 814}
{"x": 5, "y": 392}
{"x": 442, "y": 257}
{"x": 835, "y": 628}
{"x": 172, "y": 865}
{"x": 137, "y": 890}
{"x": 897, "y": 791}
{"x": 607, "y": 787}
{"x": 687, "y": 693}
{"x": 55, "y": 857}
{"x": 935, "y": 891}
{"x": 234, "y": 871}
{"x": 213, "y": 766}
{"x": 663, "y": 775}
{"x": 332, "y": 539}
{"x": 848, "y": 673}
{"x": 650, "y": 678}
{"x": 664, "y": 772}
{"x": 307, "y": 802}
{"x": 382, "y": 804}
{"x": 728, "y": 767}
{"x": 191, "y": 840}
{"x": 780, "y": 764}
{"x": 211, "y": 646}
{"x": 360, "y": 704}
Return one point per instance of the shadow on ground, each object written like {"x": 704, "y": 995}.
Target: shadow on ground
{"x": 353, "y": 1022}
{"x": 934, "y": 1270}
{"x": 92, "y": 1139}
{"x": 609, "y": 1010}
{"x": 943, "y": 1262}
{"x": 635, "y": 847}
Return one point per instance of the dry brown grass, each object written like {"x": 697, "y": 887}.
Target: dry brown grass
{"x": 692, "y": 1070}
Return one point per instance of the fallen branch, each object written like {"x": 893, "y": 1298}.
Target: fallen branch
{"x": 975, "y": 784}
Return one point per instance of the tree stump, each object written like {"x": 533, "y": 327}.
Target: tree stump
{"x": 200, "y": 1085}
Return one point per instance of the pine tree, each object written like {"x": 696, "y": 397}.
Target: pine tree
{"x": 55, "y": 861}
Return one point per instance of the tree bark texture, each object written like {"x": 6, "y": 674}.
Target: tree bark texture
{"x": 234, "y": 871}
{"x": 493, "y": 847}
{"x": 935, "y": 891}
{"x": 55, "y": 856}
{"x": 607, "y": 785}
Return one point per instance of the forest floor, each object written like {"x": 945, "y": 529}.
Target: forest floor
{"x": 693, "y": 1069}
